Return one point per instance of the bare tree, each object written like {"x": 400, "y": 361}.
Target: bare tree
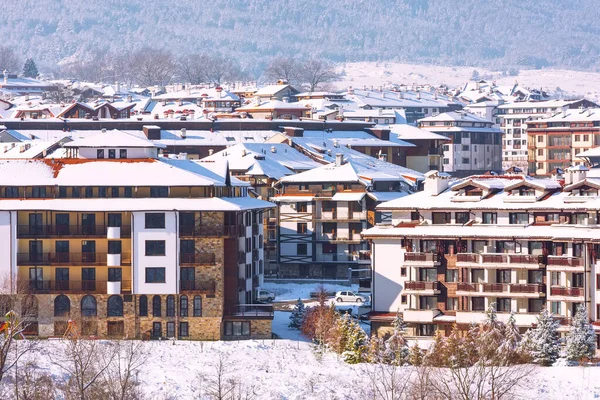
{"x": 316, "y": 72}
{"x": 288, "y": 69}
{"x": 153, "y": 66}
{"x": 32, "y": 383}
{"x": 219, "y": 69}
{"x": 385, "y": 382}
{"x": 121, "y": 378}
{"x": 222, "y": 384}
{"x": 193, "y": 68}
{"x": 9, "y": 60}
{"x": 85, "y": 362}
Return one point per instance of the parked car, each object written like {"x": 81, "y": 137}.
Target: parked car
{"x": 349, "y": 296}
{"x": 265, "y": 295}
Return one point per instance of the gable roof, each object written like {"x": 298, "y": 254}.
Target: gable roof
{"x": 113, "y": 138}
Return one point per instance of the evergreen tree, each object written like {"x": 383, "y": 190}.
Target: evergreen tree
{"x": 510, "y": 349}
{"x": 581, "y": 339}
{"x": 415, "y": 355}
{"x": 396, "y": 347}
{"x": 30, "y": 69}
{"x": 355, "y": 341}
{"x": 490, "y": 335}
{"x": 543, "y": 341}
{"x": 375, "y": 348}
{"x": 297, "y": 316}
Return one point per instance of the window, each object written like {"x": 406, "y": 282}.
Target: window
{"x": 122, "y": 153}
{"x": 555, "y": 278}
{"x": 88, "y": 306}
{"x": 114, "y": 247}
{"x": 128, "y": 191}
{"x": 143, "y": 306}
{"x": 302, "y": 207}
{"x": 478, "y": 304}
{"x": 197, "y": 306}
{"x": 577, "y": 280}
{"x": 155, "y": 275}
{"x": 462, "y": 217}
{"x": 404, "y": 299}
{"x": 156, "y": 329}
{"x": 115, "y": 306}
{"x": 75, "y": 192}
{"x": 159, "y": 191}
{"x": 170, "y": 305}
{"x": 503, "y": 305}
{"x": 183, "y": 306}
{"x": 170, "y": 329}
{"x": 102, "y": 191}
{"x": 62, "y": 192}
{"x": 89, "y": 192}
{"x": 535, "y": 305}
{"x": 38, "y": 192}
{"x": 301, "y": 249}
{"x": 446, "y": 161}
{"x": 426, "y": 330}
{"x": 586, "y": 138}
{"x": 237, "y": 328}
{"x": 402, "y": 271}
{"x": 62, "y": 306}
{"x": 598, "y": 282}
{"x": 465, "y": 160}
{"x": 440, "y": 218}
{"x": 489, "y": 218}
{"x": 540, "y": 139}
{"x": 184, "y": 329}
{"x": 451, "y": 275}
{"x": 155, "y": 247}
{"x": 555, "y": 307}
{"x": 155, "y": 220}
{"x": 156, "y": 306}
{"x": 465, "y": 147}
{"x": 577, "y": 137}
{"x": 115, "y": 274}
{"x": 503, "y": 276}
{"x": 112, "y": 153}
{"x": 114, "y": 191}
{"x": 518, "y": 218}
{"x": 451, "y": 303}
{"x": 302, "y": 227}
{"x": 100, "y": 153}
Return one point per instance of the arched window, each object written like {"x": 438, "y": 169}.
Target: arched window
{"x": 197, "y": 306}
{"x": 156, "y": 306}
{"x": 88, "y": 306}
{"x": 115, "y": 306}
{"x": 29, "y": 306}
{"x": 183, "y": 306}
{"x": 143, "y": 306}
{"x": 62, "y": 306}
{"x": 170, "y": 306}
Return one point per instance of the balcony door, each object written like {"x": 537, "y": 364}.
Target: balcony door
{"x": 62, "y": 224}
{"x": 428, "y": 274}
{"x": 36, "y": 279}
{"x": 187, "y": 278}
{"x": 35, "y": 251}
{"x": 88, "y": 279}
{"x": 88, "y": 224}
{"x": 88, "y": 251}
{"x": 61, "y": 248}
{"x": 35, "y": 224}
{"x": 61, "y": 276}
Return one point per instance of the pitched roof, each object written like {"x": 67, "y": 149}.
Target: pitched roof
{"x": 112, "y": 138}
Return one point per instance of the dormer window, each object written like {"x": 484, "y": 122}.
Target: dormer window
{"x": 112, "y": 153}
{"x": 526, "y": 191}
{"x": 588, "y": 192}
{"x": 518, "y": 218}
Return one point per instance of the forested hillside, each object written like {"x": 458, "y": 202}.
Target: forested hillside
{"x": 502, "y": 33}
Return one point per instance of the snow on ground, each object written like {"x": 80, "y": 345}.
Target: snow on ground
{"x": 295, "y": 291}
{"x": 286, "y": 369}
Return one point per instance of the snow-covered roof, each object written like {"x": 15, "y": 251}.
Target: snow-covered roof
{"x": 197, "y": 93}
{"x": 455, "y": 116}
{"x": 272, "y": 90}
{"x": 356, "y": 138}
{"x": 409, "y": 132}
{"x": 112, "y": 138}
{"x": 273, "y": 105}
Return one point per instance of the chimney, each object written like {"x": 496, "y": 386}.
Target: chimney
{"x": 152, "y": 132}
{"x": 293, "y": 131}
{"x": 379, "y": 133}
{"x": 210, "y": 152}
{"x": 339, "y": 159}
{"x": 575, "y": 174}
{"x": 117, "y": 87}
{"x": 5, "y": 77}
{"x": 436, "y": 183}
{"x": 103, "y": 130}
{"x": 183, "y": 133}
{"x": 350, "y": 90}
{"x": 273, "y": 149}
{"x": 219, "y": 90}
{"x": 129, "y": 98}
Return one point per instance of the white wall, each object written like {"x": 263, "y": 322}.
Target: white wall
{"x": 8, "y": 253}
{"x": 135, "y": 152}
{"x": 387, "y": 259}
{"x": 169, "y": 261}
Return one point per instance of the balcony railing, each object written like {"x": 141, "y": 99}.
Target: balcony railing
{"x": 207, "y": 286}
{"x": 527, "y": 288}
{"x": 24, "y": 231}
{"x": 467, "y": 257}
{"x": 421, "y": 285}
{"x": 494, "y": 258}
{"x": 421, "y": 257}
{"x": 250, "y": 311}
{"x": 54, "y": 286}
{"x": 565, "y": 261}
{"x": 197, "y": 258}
{"x": 524, "y": 259}
{"x": 495, "y": 287}
{"x": 37, "y": 259}
{"x": 208, "y": 231}
{"x": 467, "y": 287}
{"x": 566, "y": 291}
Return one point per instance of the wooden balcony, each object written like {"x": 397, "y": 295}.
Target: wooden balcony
{"x": 197, "y": 258}
{"x": 527, "y": 288}
{"x": 565, "y": 263}
{"x": 202, "y": 287}
{"x": 467, "y": 287}
{"x": 566, "y": 291}
{"x": 208, "y": 231}
{"x": 41, "y": 231}
{"x": 67, "y": 259}
{"x": 54, "y": 286}
{"x": 428, "y": 259}
{"x": 422, "y": 287}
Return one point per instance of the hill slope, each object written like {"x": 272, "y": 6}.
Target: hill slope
{"x": 500, "y": 33}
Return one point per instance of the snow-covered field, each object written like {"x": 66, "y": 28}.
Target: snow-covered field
{"x": 574, "y": 83}
{"x": 286, "y": 369}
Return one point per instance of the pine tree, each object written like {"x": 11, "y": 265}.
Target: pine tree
{"x": 544, "y": 340}
{"x": 375, "y": 348}
{"x": 30, "y": 69}
{"x": 415, "y": 355}
{"x": 396, "y": 347}
{"x": 436, "y": 354}
{"x": 510, "y": 350}
{"x": 297, "y": 316}
{"x": 489, "y": 336}
{"x": 581, "y": 339}
{"x": 355, "y": 341}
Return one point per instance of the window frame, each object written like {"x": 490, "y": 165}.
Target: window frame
{"x": 153, "y": 275}
{"x": 154, "y": 220}
{"x": 152, "y": 251}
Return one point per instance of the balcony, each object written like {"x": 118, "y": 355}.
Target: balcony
{"x": 528, "y": 288}
{"x": 565, "y": 263}
{"x": 569, "y": 293}
{"x": 334, "y": 257}
{"x": 525, "y": 260}
{"x": 534, "y": 290}
{"x": 205, "y": 287}
{"x": 423, "y": 259}
{"x": 54, "y": 286}
{"x": 208, "y": 231}
{"x": 422, "y": 287}
{"x": 420, "y": 315}
{"x": 467, "y": 287}
{"x": 98, "y": 259}
{"x": 498, "y": 260}
{"x": 435, "y": 151}
{"x": 197, "y": 258}
{"x": 250, "y": 311}
{"x": 494, "y": 259}
{"x": 255, "y": 230}
{"x": 35, "y": 231}
{"x": 467, "y": 258}
{"x": 476, "y": 317}
{"x": 494, "y": 287}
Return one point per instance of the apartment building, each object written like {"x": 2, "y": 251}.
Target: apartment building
{"x": 461, "y": 245}
{"x": 554, "y": 142}
{"x": 129, "y": 244}
{"x": 322, "y": 212}
{"x": 475, "y": 145}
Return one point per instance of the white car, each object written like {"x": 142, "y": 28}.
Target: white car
{"x": 350, "y": 296}
{"x": 265, "y": 295}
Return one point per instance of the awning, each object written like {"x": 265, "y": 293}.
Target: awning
{"x": 350, "y": 196}
{"x": 291, "y": 199}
